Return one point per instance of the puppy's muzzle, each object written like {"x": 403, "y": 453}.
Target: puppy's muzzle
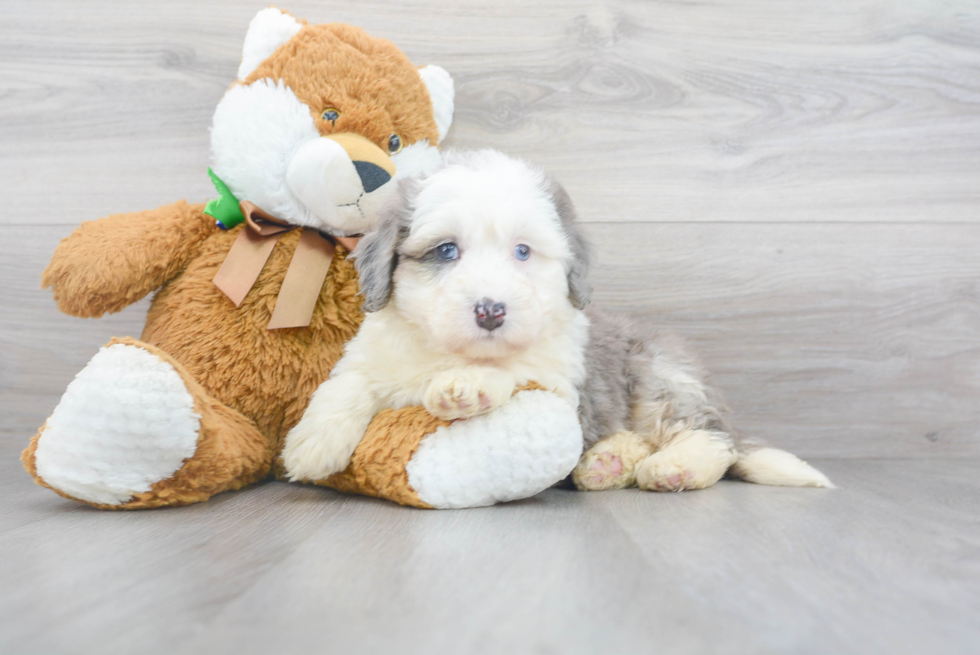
{"x": 489, "y": 314}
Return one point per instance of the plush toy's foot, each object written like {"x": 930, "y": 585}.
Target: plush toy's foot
{"x": 133, "y": 430}
{"x": 516, "y": 451}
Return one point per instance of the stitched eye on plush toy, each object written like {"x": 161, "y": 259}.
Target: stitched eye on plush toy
{"x": 394, "y": 144}
{"x": 331, "y": 115}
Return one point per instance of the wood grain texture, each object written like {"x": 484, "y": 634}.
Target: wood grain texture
{"x": 830, "y": 340}
{"x": 833, "y": 340}
{"x": 885, "y": 564}
{"x": 793, "y": 186}
{"x": 860, "y": 110}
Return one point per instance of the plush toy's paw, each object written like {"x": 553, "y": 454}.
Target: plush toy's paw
{"x": 463, "y": 393}
{"x": 611, "y": 463}
{"x": 126, "y": 422}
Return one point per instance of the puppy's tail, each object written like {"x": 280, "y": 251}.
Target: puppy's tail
{"x": 767, "y": 465}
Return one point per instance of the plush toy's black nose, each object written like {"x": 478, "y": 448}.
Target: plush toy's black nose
{"x": 489, "y": 314}
{"x": 372, "y": 176}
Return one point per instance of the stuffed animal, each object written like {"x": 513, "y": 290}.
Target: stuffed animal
{"x": 256, "y": 297}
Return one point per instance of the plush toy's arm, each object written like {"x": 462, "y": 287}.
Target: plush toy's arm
{"x": 413, "y": 458}
{"x": 110, "y": 263}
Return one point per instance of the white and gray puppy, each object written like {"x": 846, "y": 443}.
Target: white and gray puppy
{"x": 475, "y": 283}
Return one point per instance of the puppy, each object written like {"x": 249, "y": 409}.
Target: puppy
{"x": 475, "y": 283}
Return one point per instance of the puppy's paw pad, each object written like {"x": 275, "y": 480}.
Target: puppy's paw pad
{"x": 611, "y": 462}
{"x": 452, "y": 400}
{"x": 451, "y": 397}
{"x": 606, "y": 463}
{"x": 660, "y": 473}
{"x": 599, "y": 471}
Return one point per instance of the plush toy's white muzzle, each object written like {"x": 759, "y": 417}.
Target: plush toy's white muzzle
{"x": 324, "y": 177}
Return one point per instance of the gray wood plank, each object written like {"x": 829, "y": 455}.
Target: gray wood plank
{"x": 831, "y": 340}
{"x": 649, "y": 111}
{"x": 792, "y": 186}
{"x": 895, "y": 548}
{"x": 885, "y": 564}
{"x": 834, "y": 340}
{"x": 42, "y": 349}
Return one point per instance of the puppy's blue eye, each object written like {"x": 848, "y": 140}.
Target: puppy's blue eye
{"x": 522, "y": 252}
{"x": 447, "y": 252}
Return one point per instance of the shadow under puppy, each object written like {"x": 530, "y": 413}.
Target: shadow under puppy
{"x": 475, "y": 283}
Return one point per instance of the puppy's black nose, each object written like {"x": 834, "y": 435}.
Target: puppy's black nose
{"x": 372, "y": 176}
{"x": 489, "y": 314}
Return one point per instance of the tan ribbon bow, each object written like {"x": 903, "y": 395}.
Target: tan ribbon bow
{"x": 304, "y": 277}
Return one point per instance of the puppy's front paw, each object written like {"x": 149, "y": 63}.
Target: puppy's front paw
{"x": 310, "y": 453}
{"x": 467, "y": 392}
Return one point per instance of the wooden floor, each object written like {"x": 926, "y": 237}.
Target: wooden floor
{"x": 794, "y": 186}
{"x": 888, "y": 563}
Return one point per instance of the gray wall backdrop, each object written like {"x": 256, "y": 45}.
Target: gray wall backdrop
{"x": 794, "y": 186}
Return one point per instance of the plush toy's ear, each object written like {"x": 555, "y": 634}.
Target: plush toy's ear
{"x": 268, "y": 30}
{"x": 579, "y": 291}
{"x": 440, "y": 85}
{"x": 376, "y": 255}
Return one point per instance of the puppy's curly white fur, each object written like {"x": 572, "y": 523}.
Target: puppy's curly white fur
{"x": 475, "y": 283}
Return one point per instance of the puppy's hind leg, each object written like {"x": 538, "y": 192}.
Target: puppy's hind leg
{"x": 611, "y": 462}
{"x": 690, "y": 459}
{"x": 684, "y": 417}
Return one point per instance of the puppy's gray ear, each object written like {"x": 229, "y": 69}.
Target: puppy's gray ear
{"x": 376, "y": 256}
{"x": 579, "y": 291}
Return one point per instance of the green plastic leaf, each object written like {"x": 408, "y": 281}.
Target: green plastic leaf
{"x": 224, "y": 209}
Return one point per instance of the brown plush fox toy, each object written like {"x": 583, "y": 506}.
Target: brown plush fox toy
{"x": 256, "y": 297}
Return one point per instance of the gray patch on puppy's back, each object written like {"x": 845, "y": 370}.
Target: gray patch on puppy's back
{"x": 627, "y": 365}
{"x": 606, "y": 395}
